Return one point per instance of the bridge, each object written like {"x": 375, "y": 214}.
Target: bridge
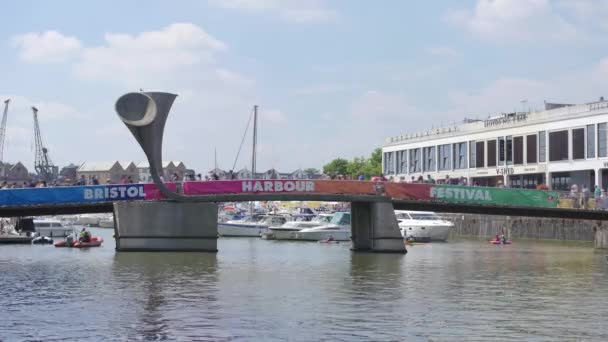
{"x": 404, "y": 196}
{"x": 183, "y": 216}
{"x": 362, "y": 194}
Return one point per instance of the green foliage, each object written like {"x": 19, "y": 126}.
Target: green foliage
{"x": 311, "y": 171}
{"x": 368, "y": 167}
{"x": 336, "y": 167}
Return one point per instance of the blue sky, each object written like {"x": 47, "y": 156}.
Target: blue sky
{"x": 332, "y": 78}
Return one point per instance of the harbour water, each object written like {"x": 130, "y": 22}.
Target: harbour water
{"x": 255, "y": 289}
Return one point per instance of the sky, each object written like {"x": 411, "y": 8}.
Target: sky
{"x": 331, "y": 78}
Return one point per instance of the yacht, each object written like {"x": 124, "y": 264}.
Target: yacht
{"x": 423, "y": 224}
{"x": 107, "y": 222}
{"x": 288, "y": 230}
{"x": 255, "y": 226}
{"x": 338, "y": 229}
{"x": 52, "y": 228}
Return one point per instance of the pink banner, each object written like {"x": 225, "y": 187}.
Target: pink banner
{"x": 152, "y": 192}
{"x": 393, "y": 190}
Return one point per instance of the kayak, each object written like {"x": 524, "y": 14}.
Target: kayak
{"x": 328, "y": 241}
{"x": 95, "y": 242}
{"x": 494, "y": 242}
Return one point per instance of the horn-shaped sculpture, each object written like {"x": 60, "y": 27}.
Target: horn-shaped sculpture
{"x": 145, "y": 115}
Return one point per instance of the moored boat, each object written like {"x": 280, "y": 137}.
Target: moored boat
{"x": 250, "y": 228}
{"x": 338, "y": 229}
{"x": 423, "y": 225}
{"x": 288, "y": 230}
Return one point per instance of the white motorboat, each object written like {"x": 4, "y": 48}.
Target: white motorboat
{"x": 423, "y": 224}
{"x": 338, "y": 229}
{"x": 288, "y": 230}
{"x": 107, "y": 222}
{"x": 250, "y": 227}
{"x": 52, "y": 228}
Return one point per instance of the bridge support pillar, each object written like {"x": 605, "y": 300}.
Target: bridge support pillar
{"x": 165, "y": 226}
{"x": 601, "y": 236}
{"x": 375, "y": 228}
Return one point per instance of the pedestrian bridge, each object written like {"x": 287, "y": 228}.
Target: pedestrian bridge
{"x": 439, "y": 198}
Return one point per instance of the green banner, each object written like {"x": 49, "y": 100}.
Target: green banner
{"x": 494, "y": 196}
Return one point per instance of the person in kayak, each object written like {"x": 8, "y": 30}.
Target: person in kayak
{"x": 85, "y": 236}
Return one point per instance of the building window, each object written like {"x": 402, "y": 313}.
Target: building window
{"x": 459, "y": 154}
{"x": 402, "y": 164}
{"x": 518, "y": 150}
{"x": 429, "y": 158}
{"x": 509, "y": 150}
{"x": 559, "y": 180}
{"x": 501, "y": 151}
{"x": 389, "y": 163}
{"x": 531, "y": 149}
{"x": 471, "y": 154}
{"x": 415, "y": 162}
{"x": 480, "y": 154}
{"x": 578, "y": 143}
{"x": 602, "y": 151}
{"x": 590, "y": 141}
{"x": 558, "y": 145}
{"x": 491, "y": 153}
{"x": 444, "y": 157}
{"x": 542, "y": 146}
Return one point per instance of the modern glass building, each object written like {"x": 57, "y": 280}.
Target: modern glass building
{"x": 558, "y": 147}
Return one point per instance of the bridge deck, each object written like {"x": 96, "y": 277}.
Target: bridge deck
{"x": 431, "y": 197}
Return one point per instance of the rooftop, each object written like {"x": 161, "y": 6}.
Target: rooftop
{"x": 552, "y": 112}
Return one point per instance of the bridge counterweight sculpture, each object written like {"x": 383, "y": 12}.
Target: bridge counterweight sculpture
{"x": 189, "y": 223}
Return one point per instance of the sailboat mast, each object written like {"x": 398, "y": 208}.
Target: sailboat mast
{"x": 255, "y": 138}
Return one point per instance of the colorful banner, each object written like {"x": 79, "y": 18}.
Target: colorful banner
{"x": 494, "y": 196}
{"x": 396, "y": 191}
{"x": 279, "y": 187}
{"x": 72, "y": 194}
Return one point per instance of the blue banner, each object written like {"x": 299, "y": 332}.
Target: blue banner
{"x": 72, "y": 194}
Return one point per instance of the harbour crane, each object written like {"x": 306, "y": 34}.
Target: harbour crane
{"x": 3, "y": 130}
{"x": 42, "y": 163}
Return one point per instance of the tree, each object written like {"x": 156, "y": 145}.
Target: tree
{"x": 335, "y": 167}
{"x": 368, "y": 167}
{"x": 311, "y": 171}
{"x": 356, "y": 166}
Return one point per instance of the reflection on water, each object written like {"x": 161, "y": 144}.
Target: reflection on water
{"x": 272, "y": 290}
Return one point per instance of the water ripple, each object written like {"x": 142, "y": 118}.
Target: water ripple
{"x": 274, "y": 291}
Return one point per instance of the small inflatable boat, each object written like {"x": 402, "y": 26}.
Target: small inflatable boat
{"x": 95, "y": 242}
{"x": 494, "y": 242}
{"x": 42, "y": 240}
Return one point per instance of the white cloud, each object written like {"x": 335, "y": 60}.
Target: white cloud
{"x": 320, "y": 89}
{"x": 46, "y": 47}
{"x": 442, "y": 51}
{"x": 152, "y": 54}
{"x": 520, "y": 20}
{"x": 587, "y": 12}
{"x": 52, "y": 115}
{"x": 273, "y": 115}
{"x": 289, "y": 10}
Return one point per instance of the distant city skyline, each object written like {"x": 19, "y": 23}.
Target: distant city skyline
{"x": 332, "y": 78}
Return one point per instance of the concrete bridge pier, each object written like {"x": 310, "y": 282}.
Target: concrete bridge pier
{"x": 165, "y": 226}
{"x": 374, "y": 228}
